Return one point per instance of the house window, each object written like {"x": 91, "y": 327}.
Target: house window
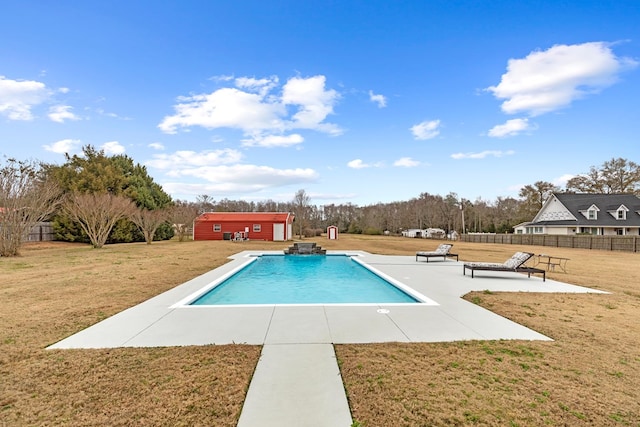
{"x": 621, "y": 214}
{"x": 217, "y": 227}
{"x": 256, "y": 228}
{"x": 589, "y": 230}
{"x": 592, "y": 214}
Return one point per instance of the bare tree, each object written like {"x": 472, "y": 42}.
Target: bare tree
{"x": 341, "y": 215}
{"x": 621, "y": 176}
{"x": 534, "y": 196}
{"x": 301, "y": 202}
{"x": 27, "y": 196}
{"x": 506, "y": 214}
{"x": 477, "y": 215}
{"x": 614, "y": 176}
{"x": 590, "y": 182}
{"x": 270, "y": 206}
{"x": 452, "y": 208}
{"x": 182, "y": 216}
{"x": 148, "y": 221}
{"x": 97, "y": 213}
{"x": 205, "y": 203}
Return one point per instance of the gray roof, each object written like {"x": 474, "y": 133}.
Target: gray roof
{"x": 575, "y": 203}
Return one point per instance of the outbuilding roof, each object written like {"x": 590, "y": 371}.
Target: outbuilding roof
{"x": 245, "y": 216}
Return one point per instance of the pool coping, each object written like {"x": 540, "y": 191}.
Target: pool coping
{"x": 155, "y": 323}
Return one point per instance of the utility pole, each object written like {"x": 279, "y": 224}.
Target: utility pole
{"x": 462, "y": 210}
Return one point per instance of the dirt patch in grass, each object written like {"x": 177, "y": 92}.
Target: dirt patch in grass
{"x": 589, "y": 374}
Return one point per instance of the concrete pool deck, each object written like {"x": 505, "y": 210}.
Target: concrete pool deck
{"x": 297, "y": 376}
{"x": 158, "y": 323}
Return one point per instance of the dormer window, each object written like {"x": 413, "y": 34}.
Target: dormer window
{"x": 620, "y": 213}
{"x": 591, "y": 213}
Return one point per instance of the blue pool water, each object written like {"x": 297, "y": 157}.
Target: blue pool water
{"x": 304, "y": 279}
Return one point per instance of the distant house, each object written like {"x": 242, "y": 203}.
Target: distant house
{"x": 597, "y": 214}
{"x": 430, "y": 233}
{"x": 271, "y": 226}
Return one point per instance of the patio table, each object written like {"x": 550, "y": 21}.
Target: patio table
{"x": 552, "y": 261}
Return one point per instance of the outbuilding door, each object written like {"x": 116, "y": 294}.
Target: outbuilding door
{"x": 278, "y": 232}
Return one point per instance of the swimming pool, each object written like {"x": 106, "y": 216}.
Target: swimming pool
{"x": 305, "y": 279}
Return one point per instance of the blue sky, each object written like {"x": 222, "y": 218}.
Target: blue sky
{"x": 353, "y": 101}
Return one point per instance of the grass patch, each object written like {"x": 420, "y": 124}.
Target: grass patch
{"x": 587, "y": 376}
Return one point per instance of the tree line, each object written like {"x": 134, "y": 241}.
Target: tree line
{"x": 102, "y": 199}
{"x": 447, "y": 212}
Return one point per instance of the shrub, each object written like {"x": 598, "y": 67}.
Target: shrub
{"x": 312, "y": 232}
{"x": 372, "y": 231}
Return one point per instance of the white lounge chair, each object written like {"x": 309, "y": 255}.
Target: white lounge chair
{"x": 441, "y": 251}
{"x": 515, "y": 264}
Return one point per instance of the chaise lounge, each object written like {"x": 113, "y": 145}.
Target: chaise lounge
{"x": 441, "y": 251}
{"x": 515, "y": 264}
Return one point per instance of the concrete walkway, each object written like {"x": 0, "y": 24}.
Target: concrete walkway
{"x": 297, "y": 380}
{"x": 296, "y": 385}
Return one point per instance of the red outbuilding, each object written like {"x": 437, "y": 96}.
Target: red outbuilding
{"x": 271, "y": 226}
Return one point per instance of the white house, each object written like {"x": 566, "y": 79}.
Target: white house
{"x": 597, "y": 214}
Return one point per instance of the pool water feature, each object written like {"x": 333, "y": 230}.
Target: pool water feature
{"x": 306, "y": 279}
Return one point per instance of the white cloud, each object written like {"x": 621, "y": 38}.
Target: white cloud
{"x": 261, "y": 86}
{"x": 511, "y": 127}
{"x": 545, "y": 81}
{"x": 113, "y": 148}
{"x": 406, "y": 162}
{"x": 222, "y": 78}
{"x": 60, "y": 113}
{"x": 381, "y": 100}
{"x": 313, "y": 101}
{"x": 255, "y": 110}
{"x": 482, "y": 154}
{"x": 227, "y": 107}
{"x": 102, "y": 112}
{"x": 240, "y": 179}
{"x": 359, "y": 164}
{"x": 514, "y": 187}
{"x": 561, "y": 181}
{"x": 426, "y": 130}
{"x": 156, "y": 146}
{"x": 273, "y": 141}
{"x": 219, "y": 172}
{"x": 19, "y": 97}
{"x": 327, "y": 196}
{"x": 251, "y": 175}
{"x": 184, "y": 160}
{"x": 63, "y": 146}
